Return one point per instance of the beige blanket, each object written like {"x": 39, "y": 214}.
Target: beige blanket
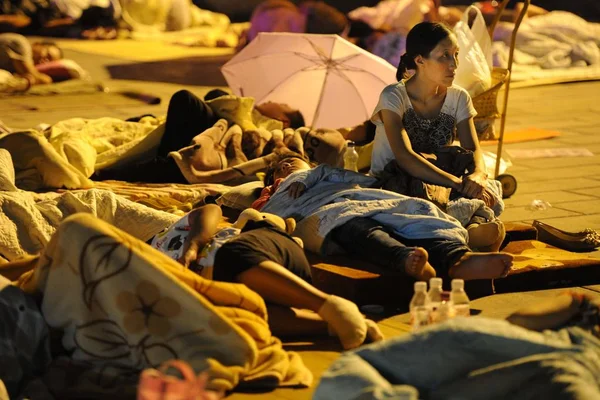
{"x": 68, "y": 153}
{"x": 122, "y": 305}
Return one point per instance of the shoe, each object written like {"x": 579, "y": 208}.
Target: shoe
{"x": 586, "y": 240}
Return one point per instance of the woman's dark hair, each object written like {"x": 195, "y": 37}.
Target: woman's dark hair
{"x": 296, "y": 119}
{"x": 421, "y": 40}
{"x": 269, "y": 180}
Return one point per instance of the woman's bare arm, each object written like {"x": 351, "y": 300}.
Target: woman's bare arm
{"x": 410, "y": 161}
{"x": 474, "y": 184}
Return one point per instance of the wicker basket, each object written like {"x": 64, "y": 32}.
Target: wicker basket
{"x": 486, "y": 105}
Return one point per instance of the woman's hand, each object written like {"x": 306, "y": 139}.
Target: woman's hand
{"x": 474, "y": 185}
{"x": 296, "y": 189}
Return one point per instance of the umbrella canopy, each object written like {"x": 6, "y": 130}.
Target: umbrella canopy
{"x": 330, "y": 80}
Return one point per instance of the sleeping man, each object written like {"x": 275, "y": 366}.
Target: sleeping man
{"x": 335, "y": 208}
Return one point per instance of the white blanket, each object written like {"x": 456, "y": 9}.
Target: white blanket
{"x": 555, "y": 40}
{"x": 333, "y": 197}
{"x": 29, "y": 219}
{"x": 67, "y": 154}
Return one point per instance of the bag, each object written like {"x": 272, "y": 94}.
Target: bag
{"x": 157, "y": 385}
{"x": 474, "y": 65}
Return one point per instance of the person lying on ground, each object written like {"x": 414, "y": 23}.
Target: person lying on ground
{"x": 20, "y": 57}
{"x": 549, "y": 349}
{"x": 216, "y": 137}
{"x": 337, "y": 208}
{"x": 285, "y": 16}
{"x": 258, "y": 252}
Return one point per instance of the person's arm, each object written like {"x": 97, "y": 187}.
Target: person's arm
{"x": 18, "y": 21}
{"x": 203, "y": 226}
{"x": 410, "y": 161}
{"x": 24, "y": 66}
{"x": 475, "y": 183}
{"x": 192, "y": 175}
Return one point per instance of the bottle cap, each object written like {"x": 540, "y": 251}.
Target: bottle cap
{"x": 435, "y": 282}
{"x": 350, "y": 143}
{"x": 420, "y": 286}
{"x": 458, "y": 284}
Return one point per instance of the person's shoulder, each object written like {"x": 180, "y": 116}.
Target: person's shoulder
{"x": 397, "y": 90}
{"x": 458, "y": 91}
{"x": 395, "y": 87}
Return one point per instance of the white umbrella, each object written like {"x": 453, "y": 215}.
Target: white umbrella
{"x": 330, "y": 80}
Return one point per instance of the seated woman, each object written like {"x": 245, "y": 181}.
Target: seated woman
{"x": 260, "y": 254}
{"x": 336, "y": 207}
{"x": 20, "y": 57}
{"x": 421, "y": 115}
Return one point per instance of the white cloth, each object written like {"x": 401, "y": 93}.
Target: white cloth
{"x": 457, "y": 107}
{"x": 334, "y": 196}
{"x": 555, "y": 40}
{"x": 29, "y": 219}
{"x": 396, "y": 15}
{"x": 74, "y": 8}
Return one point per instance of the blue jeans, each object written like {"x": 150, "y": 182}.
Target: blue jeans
{"x": 378, "y": 243}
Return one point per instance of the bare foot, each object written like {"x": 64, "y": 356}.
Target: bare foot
{"x": 485, "y": 235}
{"x": 481, "y": 266}
{"x": 417, "y": 266}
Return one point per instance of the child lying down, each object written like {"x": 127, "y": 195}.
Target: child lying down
{"x": 259, "y": 252}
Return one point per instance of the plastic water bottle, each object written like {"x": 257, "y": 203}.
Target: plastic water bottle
{"x": 419, "y": 306}
{"x": 351, "y": 157}
{"x": 459, "y": 298}
{"x": 435, "y": 296}
{"x": 445, "y": 310}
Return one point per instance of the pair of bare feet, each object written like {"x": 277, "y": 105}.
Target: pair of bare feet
{"x": 470, "y": 266}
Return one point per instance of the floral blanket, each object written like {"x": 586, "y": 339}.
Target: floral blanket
{"x": 122, "y": 306}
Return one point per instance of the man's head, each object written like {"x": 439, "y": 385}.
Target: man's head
{"x": 323, "y": 18}
{"x": 290, "y": 117}
{"x": 43, "y": 52}
{"x": 284, "y": 166}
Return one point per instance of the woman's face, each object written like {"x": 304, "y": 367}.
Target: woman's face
{"x": 288, "y": 166}
{"x": 440, "y": 67}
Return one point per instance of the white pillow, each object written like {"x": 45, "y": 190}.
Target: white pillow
{"x": 242, "y": 196}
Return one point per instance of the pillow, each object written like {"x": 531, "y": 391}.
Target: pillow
{"x": 242, "y": 196}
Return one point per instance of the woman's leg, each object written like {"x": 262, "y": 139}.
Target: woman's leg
{"x": 365, "y": 237}
{"x": 456, "y": 260}
{"x": 187, "y": 116}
